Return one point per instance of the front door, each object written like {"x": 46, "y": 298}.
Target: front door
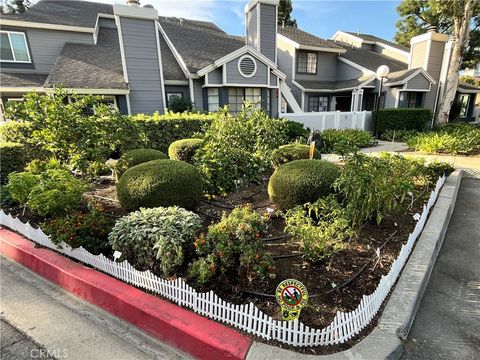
{"x": 343, "y": 102}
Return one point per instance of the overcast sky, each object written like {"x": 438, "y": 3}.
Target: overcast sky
{"x": 320, "y": 17}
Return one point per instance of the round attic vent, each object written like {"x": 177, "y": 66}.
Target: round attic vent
{"x": 247, "y": 66}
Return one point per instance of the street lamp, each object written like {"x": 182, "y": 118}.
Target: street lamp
{"x": 382, "y": 73}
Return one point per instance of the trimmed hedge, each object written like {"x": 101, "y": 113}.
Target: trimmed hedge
{"x": 184, "y": 149}
{"x": 136, "y": 157}
{"x": 403, "y": 119}
{"x": 160, "y": 183}
{"x": 296, "y": 130}
{"x": 301, "y": 181}
{"x": 12, "y": 158}
{"x": 290, "y": 152}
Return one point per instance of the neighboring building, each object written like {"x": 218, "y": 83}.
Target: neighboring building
{"x": 139, "y": 60}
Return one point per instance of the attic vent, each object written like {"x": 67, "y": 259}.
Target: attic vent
{"x": 247, "y": 66}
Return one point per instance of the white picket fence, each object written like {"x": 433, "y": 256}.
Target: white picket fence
{"x": 245, "y": 317}
{"x": 333, "y": 120}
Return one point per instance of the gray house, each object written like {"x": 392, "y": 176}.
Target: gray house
{"x": 138, "y": 60}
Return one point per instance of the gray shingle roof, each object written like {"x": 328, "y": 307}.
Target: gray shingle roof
{"x": 467, "y": 87}
{"x": 90, "y": 66}
{"x": 372, "y": 60}
{"x": 171, "y": 68}
{"x": 64, "y": 12}
{"x": 369, "y": 37}
{"x": 332, "y": 85}
{"x": 303, "y": 38}
{"x": 27, "y": 80}
{"x": 397, "y": 76}
{"x": 199, "y": 44}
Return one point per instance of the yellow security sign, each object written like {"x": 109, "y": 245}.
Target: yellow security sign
{"x": 292, "y": 296}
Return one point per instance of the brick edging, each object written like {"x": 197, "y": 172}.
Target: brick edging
{"x": 189, "y": 332}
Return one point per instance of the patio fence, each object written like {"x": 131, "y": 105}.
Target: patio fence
{"x": 245, "y": 317}
{"x": 333, "y": 120}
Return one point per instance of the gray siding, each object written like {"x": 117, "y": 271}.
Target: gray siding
{"x": 268, "y": 30}
{"x": 273, "y": 80}
{"x": 347, "y": 72}
{"x": 434, "y": 67}
{"x": 198, "y": 94}
{"x": 419, "y": 82}
{"x": 285, "y": 58}
{"x": 326, "y": 68}
{"x": 252, "y": 34}
{"x": 141, "y": 55}
{"x": 108, "y": 23}
{"x": 216, "y": 76}
{"x": 418, "y": 51}
{"x": 234, "y": 76}
{"x": 45, "y": 46}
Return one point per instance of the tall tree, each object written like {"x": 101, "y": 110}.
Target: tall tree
{"x": 285, "y": 9}
{"x": 14, "y": 6}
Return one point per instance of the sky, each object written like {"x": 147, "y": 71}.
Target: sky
{"x": 320, "y": 17}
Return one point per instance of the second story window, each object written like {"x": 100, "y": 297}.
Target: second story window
{"x": 307, "y": 62}
{"x": 13, "y": 47}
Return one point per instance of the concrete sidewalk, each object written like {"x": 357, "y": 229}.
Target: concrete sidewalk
{"x": 447, "y": 325}
{"x": 65, "y": 326}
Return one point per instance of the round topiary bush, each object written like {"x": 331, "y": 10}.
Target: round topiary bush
{"x": 136, "y": 157}
{"x": 12, "y": 158}
{"x": 290, "y": 152}
{"x": 301, "y": 181}
{"x": 184, "y": 149}
{"x": 160, "y": 183}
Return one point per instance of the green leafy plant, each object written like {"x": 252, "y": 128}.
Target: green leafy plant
{"x": 238, "y": 148}
{"x": 434, "y": 170}
{"x": 344, "y": 141}
{"x": 301, "y": 181}
{"x": 296, "y": 131}
{"x": 403, "y": 119}
{"x": 136, "y": 157}
{"x": 5, "y": 197}
{"x": 157, "y": 239}
{"x": 398, "y": 135}
{"x": 12, "y": 158}
{"x": 179, "y": 104}
{"x": 184, "y": 150}
{"x": 160, "y": 183}
{"x": 290, "y": 152}
{"x": 87, "y": 229}
{"x": 20, "y": 131}
{"x": 21, "y": 184}
{"x": 233, "y": 246}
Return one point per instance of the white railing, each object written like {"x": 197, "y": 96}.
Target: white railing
{"x": 245, "y": 317}
{"x": 333, "y": 120}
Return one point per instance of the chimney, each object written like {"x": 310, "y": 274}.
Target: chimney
{"x": 261, "y": 26}
{"x": 426, "y": 51}
{"x": 133, "y": 2}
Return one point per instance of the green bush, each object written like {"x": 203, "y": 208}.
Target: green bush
{"x": 290, "y": 152}
{"x": 398, "y": 135}
{"x": 238, "y": 148}
{"x": 5, "y": 197}
{"x": 160, "y": 183}
{"x": 296, "y": 131}
{"x": 301, "y": 181}
{"x": 12, "y": 159}
{"x": 89, "y": 230}
{"x": 156, "y": 239}
{"x": 21, "y": 132}
{"x": 403, "y": 119}
{"x": 179, "y": 104}
{"x": 21, "y": 184}
{"x": 184, "y": 149}
{"x": 233, "y": 246}
{"x": 435, "y": 170}
{"x": 344, "y": 141}
{"x": 136, "y": 157}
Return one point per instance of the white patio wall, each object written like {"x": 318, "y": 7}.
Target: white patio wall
{"x": 333, "y": 120}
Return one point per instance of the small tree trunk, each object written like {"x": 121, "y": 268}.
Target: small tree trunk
{"x": 462, "y": 37}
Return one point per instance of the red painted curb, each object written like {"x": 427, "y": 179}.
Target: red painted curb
{"x": 192, "y": 333}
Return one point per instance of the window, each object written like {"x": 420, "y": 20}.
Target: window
{"x": 410, "y": 99}
{"x": 13, "y": 47}
{"x": 172, "y": 95}
{"x": 88, "y": 110}
{"x": 213, "y": 99}
{"x": 236, "y": 97}
{"x": 317, "y": 103}
{"x": 307, "y": 63}
{"x": 464, "y": 104}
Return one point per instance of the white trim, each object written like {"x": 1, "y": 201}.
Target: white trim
{"x": 242, "y": 85}
{"x": 310, "y": 47}
{"x": 21, "y": 89}
{"x": 192, "y": 92}
{"x": 372, "y": 42}
{"x": 37, "y": 25}
{"x": 90, "y": 91}
{"x": 359, "y": 86}
{"x": 122, "y": 49}
{"x": 252, "y": 3}
{"x": 129, "y": 109}
{"x": 97, "y": 28}
{"x": 413, "y": 90}
{"x": 276, "y": 33}
{"x": 206, "y": 78}
{"x": 224, "y": 74}
{"x": 268, "y": 76}
{"x": 303, "y": 101}
{"x": 174, "y": 51}
{"x": 427, "y": 55}
{"x": 259, "y": 24}
{"x": 433, "y": 36}
{"x": 176, "y": 82}
{"x": 467, "y": 92}
{"x": 8, "y": 32}
{"x": 356, "y": 66}
{"x": 254, "y": 63}
{"x": 428, "y": 77}
{"x": 399, "y": 51}
{"x": 160, "y": 67}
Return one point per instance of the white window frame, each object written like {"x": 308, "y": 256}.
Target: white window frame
{"x": 11, "y": 47}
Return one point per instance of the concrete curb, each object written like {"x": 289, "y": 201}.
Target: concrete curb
{"x": 385, "y": 341}
{"x": 189, "y": 332}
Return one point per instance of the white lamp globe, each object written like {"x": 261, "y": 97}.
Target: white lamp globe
{"x": 383, "y": 71}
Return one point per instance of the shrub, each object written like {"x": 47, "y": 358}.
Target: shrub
{"x": 37, "y": 166}
{"x": 233, "y": 246}
{"x": 184, "y": 149}
{"x": 290, "y": 152}
{"x": 321, "y": 227}
{"x": 12, "y": 158}
{"x": 89, "y": 230}
{"x": 160, "y": 183}
{"x": 436, "y": 169}
{"x": 238, "y": 148}
{"x": 5, "y": 197}
{"x": 21, "y": 184}
{"x": 301, "y": 181}
{"x": 179, "y": 104}
{"x": 344, "y": 141}
{"x": 398, "y": 135}
{"x": 296, "y": 131}
{"x": 136, "y": 157}
{"x": 403, "y": 119}
{"x": 155, "y": 238}
{"x": 21, "y": 132}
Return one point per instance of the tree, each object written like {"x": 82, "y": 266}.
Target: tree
{"x": 284, "y": 14}
{"x": 14, "y": 6}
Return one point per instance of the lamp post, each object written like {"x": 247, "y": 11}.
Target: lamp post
{"x": 382, "y": 73}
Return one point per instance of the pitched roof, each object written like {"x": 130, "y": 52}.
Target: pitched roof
{"x": 199, "y": 43}
{"x": 371, "y": 60}
{"x": 468, "y": 87}
{"x": 303, "y": 38}
{"x": 25, "y": 80}
{"x": 368, "y": 37}
{"x": 333, "y": 85}
{"x": 90, "y": 66}
{"x": 63, "y": 12}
